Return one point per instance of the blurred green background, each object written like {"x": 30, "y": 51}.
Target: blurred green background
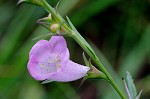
{"x": 118, "y": 30}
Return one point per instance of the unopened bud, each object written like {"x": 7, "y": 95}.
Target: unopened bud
{"x": 54, "y": 28}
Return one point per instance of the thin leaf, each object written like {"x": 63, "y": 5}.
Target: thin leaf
{"x": 131, "y": 86}
{"x": 87, "y": 46}
{"x": 127, "y": 89}
{"x": 46, "y": 81}
{"x": 70, "y": 23}
{"x": 139, "y": 95}
{"x": 85, "y": 60}
{"x": 43, "y": 36}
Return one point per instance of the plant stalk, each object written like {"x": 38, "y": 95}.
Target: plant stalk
{"x": 101, "y": 67}
{"x": 82, "y": 42}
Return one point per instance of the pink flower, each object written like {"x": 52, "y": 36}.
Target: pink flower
{"x": 49, "y": 60}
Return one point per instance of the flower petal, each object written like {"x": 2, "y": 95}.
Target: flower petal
{"x": 34, "y": 69}
{"x": 58, "y": 44}
{"x": 40, "y": 47}
{"x": 38, "y": 54}
{"x": 72, "y": 71}
{"x": 49, "y": 60}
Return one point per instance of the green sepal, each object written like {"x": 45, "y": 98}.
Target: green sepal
{"x": 35, "y": 2}
{"x": 45, "y": 20}
{"x": 93, "y": 73}
{"x": 85, "y": 59}
{"x": 47, "y": 81}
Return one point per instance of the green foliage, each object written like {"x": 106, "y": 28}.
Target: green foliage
{"x": 131, "y": 86}
{"x": 139, "y": 95}
{"x": 85, "y": 60}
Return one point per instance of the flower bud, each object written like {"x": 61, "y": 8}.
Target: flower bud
{"x": 54, "y": 28}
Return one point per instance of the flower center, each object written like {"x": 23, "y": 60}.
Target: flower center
{"x": 50, "y": 64}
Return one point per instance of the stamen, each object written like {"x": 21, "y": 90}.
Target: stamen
{"x": 52, "y": 65}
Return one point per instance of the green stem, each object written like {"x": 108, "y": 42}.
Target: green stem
{"x": 79, "y": 40}
{"x": 111, "y": 81}
{"x": 57, "y": 17}
{"x": 82, "y": 42}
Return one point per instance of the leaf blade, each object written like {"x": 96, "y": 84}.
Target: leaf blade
{"x": 139, "y": 95}
{"x": 131, "y": 86}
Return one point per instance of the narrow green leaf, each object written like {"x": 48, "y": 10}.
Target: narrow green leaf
{"x": 70, "y": 23}
{"x": 139, "y": 95}
{"x": 127, "y": 89}
{"x": 85, "y": 59}
{"x": 131, "y": 86}
{"x": 46, "y": 81}
{"x": 35, "y": 2}
{"x": 87, "y": 46}
{"x": 43, "y": 36}
{"x": 90, "y": 50}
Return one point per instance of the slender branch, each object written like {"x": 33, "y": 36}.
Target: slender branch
{"x": 57, "y": 17}
{"x": 101, "y": 67}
